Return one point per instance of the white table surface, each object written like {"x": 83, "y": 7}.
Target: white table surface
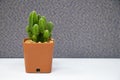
{"x": 63, "y": 69}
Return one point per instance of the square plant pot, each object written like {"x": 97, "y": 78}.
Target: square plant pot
{"x": 38, "y": 56}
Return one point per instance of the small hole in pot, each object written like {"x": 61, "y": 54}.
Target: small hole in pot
{"x": 37, "y": 70}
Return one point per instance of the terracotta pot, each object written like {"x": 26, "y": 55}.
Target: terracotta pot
{"x": 38, "y": 56}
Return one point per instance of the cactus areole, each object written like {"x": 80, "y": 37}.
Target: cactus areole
{"x": 39, "y": 29}
{"x": 38, "y": 48}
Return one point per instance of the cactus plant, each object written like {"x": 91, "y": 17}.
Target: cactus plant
{"x": 39, "y": 29}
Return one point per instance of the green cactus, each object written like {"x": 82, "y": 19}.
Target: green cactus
{"x": 41, "y": 25}
{"x": 31, "y": 20}
{"x": 46, "y": 35}
{"x": 50, "y": 26}
{"x": 39, "y": 16}
{"x": 35, "y": 17}
{"x": 39, "y": 29}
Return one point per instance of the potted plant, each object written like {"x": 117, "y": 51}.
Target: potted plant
{"x": 38, "y": 47}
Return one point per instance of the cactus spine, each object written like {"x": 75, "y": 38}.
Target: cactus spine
{"x": 39, "y": 29}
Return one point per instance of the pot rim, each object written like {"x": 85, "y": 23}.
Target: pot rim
{"x": 38, "y": 42}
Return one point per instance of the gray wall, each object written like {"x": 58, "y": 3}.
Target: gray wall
{"x": 83, "y": 28}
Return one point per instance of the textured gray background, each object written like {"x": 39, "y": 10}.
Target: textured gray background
{"x": 83, "y": 28}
